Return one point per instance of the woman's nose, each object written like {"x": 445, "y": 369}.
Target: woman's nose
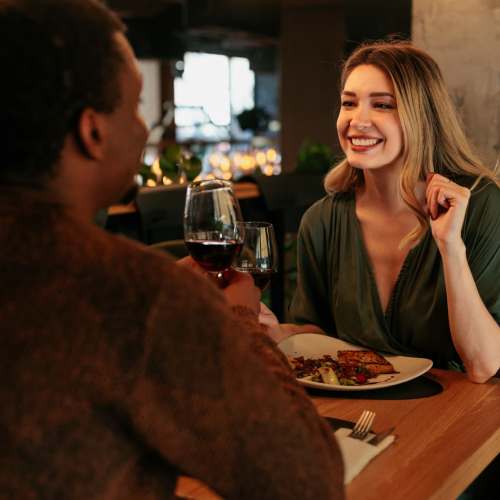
{"x": 361, "y": 118}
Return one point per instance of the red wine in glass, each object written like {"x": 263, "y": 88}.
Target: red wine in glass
{"x": 261, "y": 277}
{"x": 213, "y": 256}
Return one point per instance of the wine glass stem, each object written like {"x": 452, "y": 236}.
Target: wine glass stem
{"x": 221, "y": 278}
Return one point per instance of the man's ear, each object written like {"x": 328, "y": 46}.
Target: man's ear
{"x": 90, "y": 134}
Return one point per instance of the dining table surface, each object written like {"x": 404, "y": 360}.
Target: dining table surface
{"x": 444, "y": 440}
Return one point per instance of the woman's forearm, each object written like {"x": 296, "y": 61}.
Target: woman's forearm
{"x": 281, "y": 331}
{"x": 474, "y": 332}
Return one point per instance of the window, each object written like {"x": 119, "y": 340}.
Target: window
{"x": 150, "y": 105}
{"x": 212, "y": 90}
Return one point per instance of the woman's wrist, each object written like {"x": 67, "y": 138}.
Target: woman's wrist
{"x": 452, "y": 250}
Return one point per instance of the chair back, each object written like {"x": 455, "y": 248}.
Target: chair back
{"x": 291, "y": 194}
{"x": 161, "y": 212}
{"x": 175, "y": 248}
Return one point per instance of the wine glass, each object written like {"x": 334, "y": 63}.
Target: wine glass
{"x": 259, "y": 255}
{"x": 212, "y": 233}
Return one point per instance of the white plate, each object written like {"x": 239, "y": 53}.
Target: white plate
{"x": 312, "y": 345}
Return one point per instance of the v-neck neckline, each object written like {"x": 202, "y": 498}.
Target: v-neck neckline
{"x": 387, "y": 314}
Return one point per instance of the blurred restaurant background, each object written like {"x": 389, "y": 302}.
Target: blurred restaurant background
{"x": 247, "y": 90}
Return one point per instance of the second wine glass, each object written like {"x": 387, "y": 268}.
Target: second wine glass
{"x": 212, "y": 233}
{"x": 259, "y": 255}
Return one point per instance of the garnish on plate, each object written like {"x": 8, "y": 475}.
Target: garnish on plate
{"x": 350, "y": 368}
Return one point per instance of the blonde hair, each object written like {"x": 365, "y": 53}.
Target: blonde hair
{"x": 433, "y": 139}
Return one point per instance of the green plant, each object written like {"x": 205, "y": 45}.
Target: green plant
{"x": 314, "y": 158}
{"x": 146, "y": 173}
{"x": 191, "y": 167}
{"x": 175, "y": 160}
{"x": 170, "y": 162}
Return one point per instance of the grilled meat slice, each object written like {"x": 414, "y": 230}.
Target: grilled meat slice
{"x": 371, "y": 360}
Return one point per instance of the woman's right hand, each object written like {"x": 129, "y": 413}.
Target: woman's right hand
{"x": 282, "y": 331}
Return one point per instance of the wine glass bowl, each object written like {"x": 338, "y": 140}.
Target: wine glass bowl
{"x": 259, "y": 255}
{"x": 212, "y": 233}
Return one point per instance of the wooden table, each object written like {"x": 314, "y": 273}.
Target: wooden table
{"x": 444, "y": 441}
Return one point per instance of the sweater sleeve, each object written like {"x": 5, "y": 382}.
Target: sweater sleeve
{"x": 218, "y": 401}
{"x": 482, "y": 240}
{"x": 310, "y": 301}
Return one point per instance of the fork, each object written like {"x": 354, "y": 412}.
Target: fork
{"x": 363, "y": 425}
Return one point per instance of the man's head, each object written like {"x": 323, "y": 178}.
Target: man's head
{"x": 61, "y": 59}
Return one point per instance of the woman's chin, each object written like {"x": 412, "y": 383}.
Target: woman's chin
{"x": 361, "y": 165}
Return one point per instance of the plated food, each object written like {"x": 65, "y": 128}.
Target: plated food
{"x": 351, "y": 367}
{"x": 312, "y": 346}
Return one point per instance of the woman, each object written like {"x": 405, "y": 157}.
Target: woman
{"x": 403, "y": 256}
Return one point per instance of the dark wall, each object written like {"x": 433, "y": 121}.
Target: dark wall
{"x": 167, "y": 28}
{"x": 373, "y": 20}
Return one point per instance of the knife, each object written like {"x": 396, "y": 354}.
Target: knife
{"x": 378, "y": 438}
{"x": 337, "y": 423}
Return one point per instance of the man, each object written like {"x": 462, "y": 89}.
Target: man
{"x": 120, "y": 369}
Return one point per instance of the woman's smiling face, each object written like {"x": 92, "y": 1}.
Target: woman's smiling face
{"x": 368, "y": 124}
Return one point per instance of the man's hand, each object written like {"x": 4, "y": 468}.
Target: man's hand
{"x": 241, "y": 290}
{"x": 238, "y": 288}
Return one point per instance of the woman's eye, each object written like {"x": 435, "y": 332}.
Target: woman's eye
{"x": 347, "y": 104}
{"x": 384, "y": 105}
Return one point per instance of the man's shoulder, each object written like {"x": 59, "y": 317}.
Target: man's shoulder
{"x": 145, "y": 284}
{"x": 122, "y": 256}
{"x": 153, "y": 269}
{"x": 110, "y": 265}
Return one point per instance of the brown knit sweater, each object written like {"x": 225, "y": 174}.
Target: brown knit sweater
{"x": 120, "y": 370}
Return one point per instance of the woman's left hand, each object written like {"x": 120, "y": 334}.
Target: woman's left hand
{"x": 446, "y": 203}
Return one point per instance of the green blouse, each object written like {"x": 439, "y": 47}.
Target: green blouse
{"x": 336, "y": 289}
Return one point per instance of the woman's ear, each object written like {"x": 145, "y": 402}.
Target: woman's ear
{"x": 90, "y": 134}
